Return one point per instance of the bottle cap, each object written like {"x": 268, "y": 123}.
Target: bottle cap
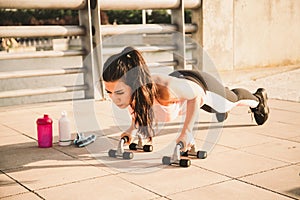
{"x": 64, "y": 113}
{"x": 45, "y": 120}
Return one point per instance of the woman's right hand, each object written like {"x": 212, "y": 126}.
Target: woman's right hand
{"x": 129, "y": 136}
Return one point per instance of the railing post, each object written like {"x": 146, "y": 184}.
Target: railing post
{"x": 91, "y": 42}
{"x": 197, "y": 54}
{"x": 87, "y": 45}
{"x": 179, "y": 54}
{"x": 97, "y": 48}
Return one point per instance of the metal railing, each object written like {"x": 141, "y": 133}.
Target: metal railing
{"x": 92, "y": 33}
{"x": 104, "y": 4}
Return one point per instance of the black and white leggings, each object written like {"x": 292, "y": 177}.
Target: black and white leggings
{"x": 218, "y": 99}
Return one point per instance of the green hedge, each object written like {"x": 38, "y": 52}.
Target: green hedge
{"x": 31, "y": 16}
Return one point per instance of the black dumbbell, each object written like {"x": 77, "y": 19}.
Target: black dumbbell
{"x": 120, "y": 152}
{"x": 145, "y": 148}
{"x": 176, "y": 160}
{"x": 166, "y": 160}
{"x": 126, "y": 155}
{"x": 198, "y": 154}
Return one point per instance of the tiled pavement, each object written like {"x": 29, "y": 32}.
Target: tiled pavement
{"x": 245, "y": 161}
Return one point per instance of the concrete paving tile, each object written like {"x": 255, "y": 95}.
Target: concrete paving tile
{"x": 236, "y": 119}
{"x": 11, "y": 137}
{"x": 18, "y": 156}
{"x": 33, "y": 106}
{"x": 284, "y": 105}
{"x": 6, "y": 131}
{"x": 112, "y": 118}
{"x": 242, "y": 138}
{"x": 16, "y": 115}
{"x": 106, "y": 108}
{"x": 279, "y": 130}
{"x": 202, "y": 132}
{"x": 48, "y": 164}
{"x": 9, "y": 187}
{"x": 23, "y": 196}
{"x": 213, "y": 148}
{"x": 76, "y": 152}
{"x": 88, "y": 155}
{"x": 24, "y": 123}
{"x": 283, "y": 116}
{"x": 173, "y": 179}
{"x": 48, "y": 172}
{"x": 164, "y": 138}
{"x": 236, "y": 163}
{"x": 233, "y": 190}
{"x": 109, "y": 125}
{"x": 234, "y": 122}
{"x": 286, "y": 180}
{"x": 107, "y": 187}
{"x": 92, "y": 154}
{"x": 15, "y": 140}
{"x": 173, "y": 129}
{"x": 283, "y": 150}
{"x": 86, "y": 118}
{"x": 295, "y": 139}
{"x": 103, "y": 166}
{"x": 204, "y": 117}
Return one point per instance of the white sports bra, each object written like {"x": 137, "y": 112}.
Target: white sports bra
{"x": 168, "y": 113}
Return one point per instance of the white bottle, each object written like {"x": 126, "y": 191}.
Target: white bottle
{"x": 64, "y": 130}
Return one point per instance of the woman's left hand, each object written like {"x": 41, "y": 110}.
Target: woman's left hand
{"x": 187, "y": 139}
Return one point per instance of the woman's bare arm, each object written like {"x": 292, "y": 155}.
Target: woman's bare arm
{"x": 128, "y": 132}
{"x": 183, "y": 89}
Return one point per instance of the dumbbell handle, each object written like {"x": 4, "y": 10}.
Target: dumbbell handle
{"x": 180, "y": 144}
{"x": 125, "y": 138}
{"x": 120, "y": 149}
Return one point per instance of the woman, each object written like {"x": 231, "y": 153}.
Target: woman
{"x": 156, "y": 97}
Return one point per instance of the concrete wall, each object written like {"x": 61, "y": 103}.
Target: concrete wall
{"x": 218, "y": 32}
{"x": 246, "y": 33}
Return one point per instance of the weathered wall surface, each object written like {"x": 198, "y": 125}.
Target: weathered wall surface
{"x": 247, "y": 33}
{"x": 218, "y": 32}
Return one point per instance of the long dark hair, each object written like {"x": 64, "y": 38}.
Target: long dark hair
{"x": 131, "y": 68}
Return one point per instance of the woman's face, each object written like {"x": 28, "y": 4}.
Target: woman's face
{"x": 119, "y": 92}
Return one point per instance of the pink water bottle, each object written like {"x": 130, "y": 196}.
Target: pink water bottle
{"x": 44, "y": 130}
